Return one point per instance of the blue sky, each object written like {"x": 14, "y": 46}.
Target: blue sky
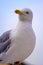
{"x": 7, "y": 15}
{"x": 8, "y": 20}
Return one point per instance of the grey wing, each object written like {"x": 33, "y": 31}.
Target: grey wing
{"x": 5, "y": 41}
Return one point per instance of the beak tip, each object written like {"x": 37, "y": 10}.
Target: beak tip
{"x": 15, "y": 11}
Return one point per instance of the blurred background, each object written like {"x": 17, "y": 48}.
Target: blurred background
{"x": 8, "y": 20}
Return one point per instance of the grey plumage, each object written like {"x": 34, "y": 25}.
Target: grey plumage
{"x": 5, "y": 41}
{"x": 4, "y": 36}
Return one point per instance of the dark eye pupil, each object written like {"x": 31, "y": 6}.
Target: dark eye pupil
{"x": 27, "y": 12}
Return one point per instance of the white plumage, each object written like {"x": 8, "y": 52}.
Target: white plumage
{"x": 22, "y": 38}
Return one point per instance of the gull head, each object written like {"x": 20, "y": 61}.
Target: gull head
{"x": 25, "y": 14}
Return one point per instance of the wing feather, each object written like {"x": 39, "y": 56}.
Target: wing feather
{"x": 5, "y": 41}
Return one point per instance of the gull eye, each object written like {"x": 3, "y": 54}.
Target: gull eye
{"x": 27, "y": 12}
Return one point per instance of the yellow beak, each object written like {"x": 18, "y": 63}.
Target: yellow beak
{"x": 18, "y": 12}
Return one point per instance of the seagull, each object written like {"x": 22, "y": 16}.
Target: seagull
{"x": 18, "y": 43}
